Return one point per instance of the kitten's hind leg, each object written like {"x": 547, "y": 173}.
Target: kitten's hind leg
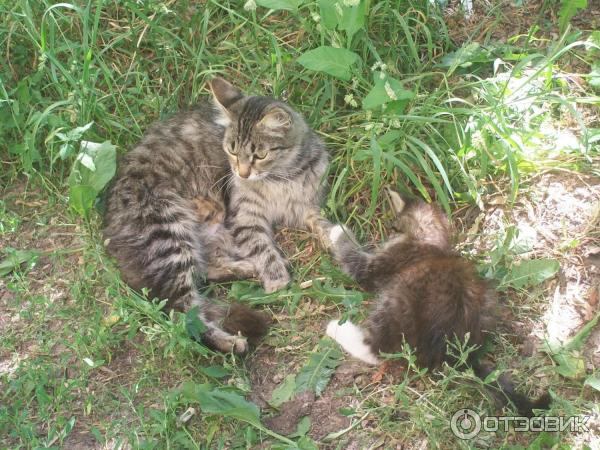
{"x": 212, "y": 316}
{"x": 230, "y": 269}
{"x": 321, "y": 227}
{"x": 352, "y": 339}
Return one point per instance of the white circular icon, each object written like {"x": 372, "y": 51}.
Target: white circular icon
{"x": 465, "y": 424}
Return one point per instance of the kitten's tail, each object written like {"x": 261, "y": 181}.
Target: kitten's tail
{"x": 503, "y": 388}
{"x": 352, "y": 339}
{"x": 348, "y": 253}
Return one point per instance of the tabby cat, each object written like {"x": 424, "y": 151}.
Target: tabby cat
{"x": 427, "y": 295}
{"x": 198, "y": 197}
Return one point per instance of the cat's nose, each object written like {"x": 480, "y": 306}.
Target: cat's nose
{"x": 244, "y": 170}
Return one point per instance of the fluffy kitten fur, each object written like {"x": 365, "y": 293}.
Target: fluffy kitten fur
{"x": 199, "y": 196}
{"x": 426, "y": 295}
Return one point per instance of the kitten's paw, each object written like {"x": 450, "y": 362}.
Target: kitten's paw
{"x": 226, "y": 343}
{"x": 240, "y": 345}
{"x": 237, "y": 344}
{"x": 352, "y": 339}
{"x": 274, "y": 285}
{"x": 336, "y": 233}
{"x": 332, "y": 328}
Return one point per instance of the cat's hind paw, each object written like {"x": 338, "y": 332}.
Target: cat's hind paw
{"x": 271, "y": 286}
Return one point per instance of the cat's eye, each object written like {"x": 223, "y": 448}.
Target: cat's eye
{"x": 261, "y": 153}
{"x": 232, "y": 150}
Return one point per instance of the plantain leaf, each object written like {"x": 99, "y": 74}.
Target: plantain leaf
{"x": 81, "y": 198}
{"x": 315, "y": 375}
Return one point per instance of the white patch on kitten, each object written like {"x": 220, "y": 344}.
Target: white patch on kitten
{"x": 335, "y": 233}
{"x": 352, "y": 339}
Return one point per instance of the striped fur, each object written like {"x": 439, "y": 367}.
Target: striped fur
{"x": 183, "y": 208}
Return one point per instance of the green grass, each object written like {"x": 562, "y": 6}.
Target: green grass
{"x": 86, "y": 361}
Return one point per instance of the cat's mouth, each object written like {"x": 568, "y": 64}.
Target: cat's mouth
{"x": 253, "y": 176}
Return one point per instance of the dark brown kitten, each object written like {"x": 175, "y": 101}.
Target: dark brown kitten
{"x": 427, "y": 295}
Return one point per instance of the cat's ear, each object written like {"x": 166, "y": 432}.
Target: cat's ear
{"x": 276, "y": 120}
{"x": 224, "y": 93}
{"x": 396, "y": 201}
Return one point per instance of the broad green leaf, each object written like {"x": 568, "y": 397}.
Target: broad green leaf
{"x": 302, "y": 428}
{"x": 569, "y": 364}
{"x": 284, "y": 391}
{"x": 214, "y": 400}
{"x": 93, "y": 168}
{"x": 287, "y": 5}
{"x": 95, "y": 165}
{"x": 215, "y": 371}
{"x": 530, "y": 273}
{"x": 463, "y": 57}
{"x": 353, "y": 18}
{"x": 14, "y": 259}
{"x": 329, "y": 16}
{"x": 568, "y": 9}
{"x": 386, "y": 90}
{"x": 315, "y": 375}
{"x": 306, "y": 443}
{"x": 333, "y": 61}
{"x": 81, "y": 198}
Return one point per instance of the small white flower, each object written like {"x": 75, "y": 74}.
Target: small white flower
{"x": 250, "y": 5}
{"x": 379, "y": 65}
{"x": 349, "y": 100}
{"x": 316, "y": 17}
{"x": 389, "y": 91}
{"x": 350, "y": 2}
{"x": 369, "y": 126}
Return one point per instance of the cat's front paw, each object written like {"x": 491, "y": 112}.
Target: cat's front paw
{"x": 272, "y": 285}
